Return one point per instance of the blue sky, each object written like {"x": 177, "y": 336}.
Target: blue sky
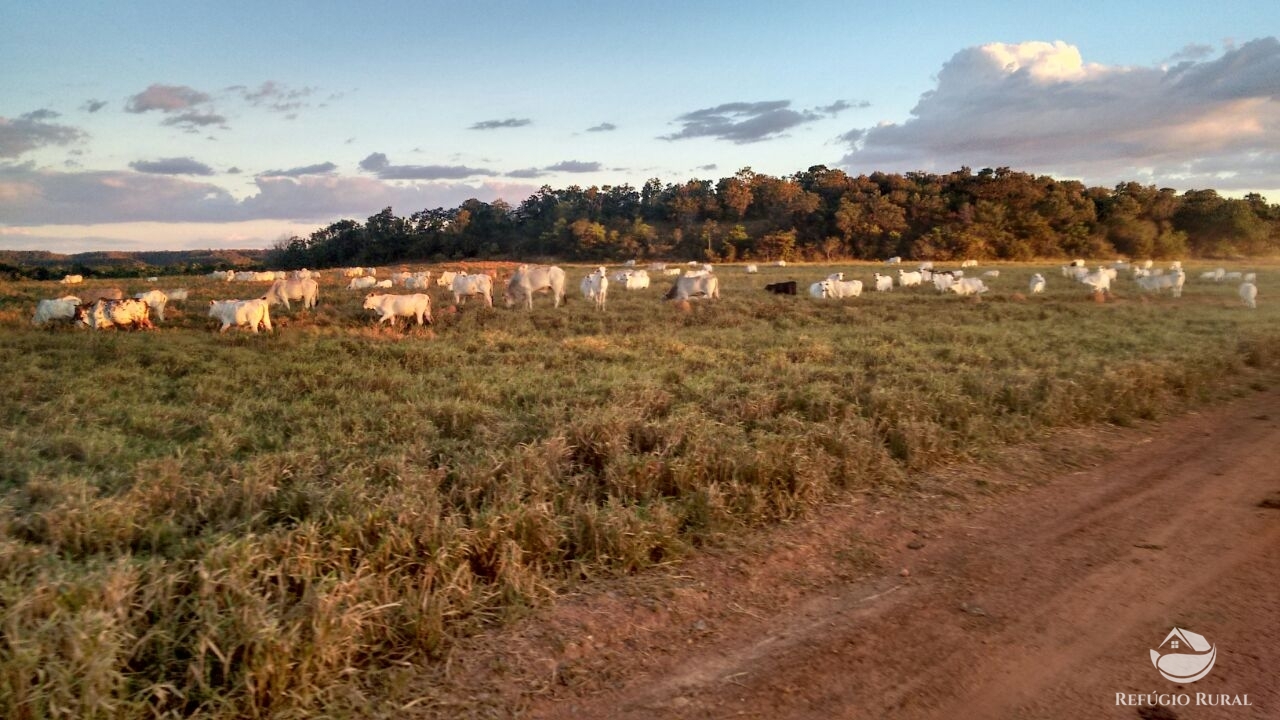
{"x": 134, "y": 125}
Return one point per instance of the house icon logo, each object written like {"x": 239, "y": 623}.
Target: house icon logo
{"x": 1184, "y": 656}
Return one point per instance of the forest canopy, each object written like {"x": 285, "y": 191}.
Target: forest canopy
{"x": 818, "y": 214}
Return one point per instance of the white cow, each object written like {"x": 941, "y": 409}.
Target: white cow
{"x": 71, "y": 280}
{"x": 104, "y": 314}
{"x": 841, "y": 288}
{"x": 636, "y": 280}
{"x": 968, "y": 286}
{"x": 818, "y": 289}
{"x": 969, "y": 263}
{"x": 282, "y": 291}
{"x": 943, "y": 281}
{"x": 446, "y": 278}
{"x": 1249, "y": 294}
{"x": 884, "y": 283}
{"x": 910, "y": 279}
{"x": 63, "y": 308}
{"x": 529, "y": 280}
{"x": 991, "y": 274}
{"x": 1036, "y": 285}
{"x": 414, "y": 282}
{"x": 595, "y": 287}
{"x": 251, "y": 313}
{"x": 156, "y": 300}
{"x": 692, "y": 286}
{"x": 464, "y": 286}
{"x": 176, "y": 294}
{"x": 752, "y": 269}
{"x": 926, "y": 265}
{"x": 390, "y": 307}
{"x": 384, "y": 284}
{"x": 895, "y": 260}
{"x": 362, "y": 283}
{"x": 1099, "y": 281}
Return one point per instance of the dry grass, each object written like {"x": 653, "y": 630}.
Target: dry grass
{"x": 194, "y": 524}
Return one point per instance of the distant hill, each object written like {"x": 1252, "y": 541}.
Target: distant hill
{"x": 116, "y": 263}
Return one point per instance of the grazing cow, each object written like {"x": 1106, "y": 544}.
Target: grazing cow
{"x": 782, "y": 288}
{"x": 71, "y": 280}
{"x": 752, "y": 269}
{"x": 465, "y": 286}
{"x": 104, "y": 314}
{"x": 446, "y": 278}
{"x": 691, "y": 286}
{"x": 780, "y": 263}
{"x": 926, "y": 265}
{"x": 968, "y": 286}
{"x": 177, "y": 294}
{"x": 90, "y": 295}
{"x": 895, "y": 260}
{"x": 252, "y": 313}
{"x": 223, "y": 275}
{"x": 1249, "y": 294}
{"x": 991, "y": 274}
{"x": 629, "y": 263}
{"x": 529, "y": 280}
{"x": 156, "y": 300}
{"x": 245, "y": 276}
{"x": 282, "y": 291}
{"x": 841, "y": 288}
{"x": 384, "y": 284}
{"x": 969, "y": 263}
{"x": 153, "y": 279}
{"x": 362, "y": 283}
{"x": 884, "y": 283}
{"x": 595, "y": 287}
{"x": 390, "y": 307}
{"x": 415, "y": 282}
{"x": 63, "y": 308}
{"x": 1037, "y": 284}
{"x": 351, "y": 272}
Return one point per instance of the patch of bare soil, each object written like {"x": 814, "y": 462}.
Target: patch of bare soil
{"x": 940, "y": 602}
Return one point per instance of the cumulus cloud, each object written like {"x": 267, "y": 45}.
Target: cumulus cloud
{"x": 378, "y": 164}
{"x": 1038, "y": 106}
{"x": 574, "y": 166}
{"x": 31, "y": 131}
{"x": 172, "y": 166}
{"x": 603, "y": 127}
{"x": 165, "y": 98}
{"x": 495, "y": 124}
{"x": 31, "y": 196}
{"x": 742, "y": 122}
{"x": 323, "y": 168}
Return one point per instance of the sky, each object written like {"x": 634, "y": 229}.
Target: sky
{"x": 191, "y": 125}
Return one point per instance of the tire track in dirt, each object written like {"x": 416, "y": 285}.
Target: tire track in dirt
{"x": 1043, "y": 605}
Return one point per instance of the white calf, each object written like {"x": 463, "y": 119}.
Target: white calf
{"x": 595, "y": 287}
{"x": 884, "y": 283}
{"x": 1036, "y": 285}
{"x": 156, "y": 300}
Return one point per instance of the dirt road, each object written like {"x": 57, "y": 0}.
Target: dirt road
{"x": 1038, "y": 603}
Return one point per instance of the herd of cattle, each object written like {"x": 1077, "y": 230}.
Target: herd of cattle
{"x": 106, "y": 308}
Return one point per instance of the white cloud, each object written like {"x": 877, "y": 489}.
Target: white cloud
{"x": 1040, "y": 107}
{"x": 31, "y": 196}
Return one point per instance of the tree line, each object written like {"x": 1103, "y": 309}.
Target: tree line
{"x": 819, "y": 214}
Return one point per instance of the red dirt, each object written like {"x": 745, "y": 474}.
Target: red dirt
{"x": 1036, "y": 603}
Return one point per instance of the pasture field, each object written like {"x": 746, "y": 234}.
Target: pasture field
{"x": 195, "y": 524}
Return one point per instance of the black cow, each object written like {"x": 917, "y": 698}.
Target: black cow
{"x": 782, "y": 288}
